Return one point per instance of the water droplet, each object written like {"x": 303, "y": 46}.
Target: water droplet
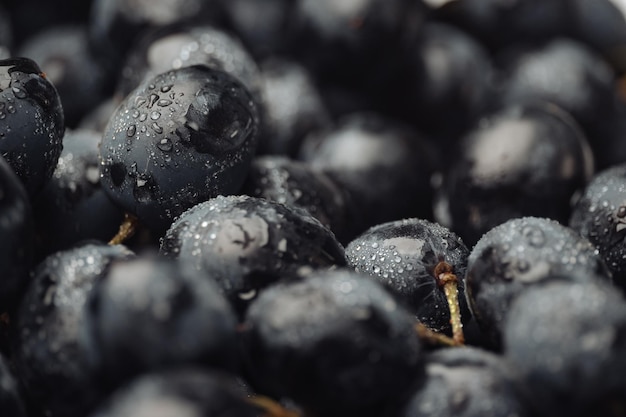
{"x": 153, "y": 99}
{"x": 523, "y": 265}
{"x": 18, "y": 92}
{"x": 92, "y": 174}
{"x": 535, "y": 236}
{"x": 164, "y": 102}
{"x": 140, "y": 101}
{"x": 621, "y": 212}
{"x": 11, "y": 109}
{"x": 130, "y": 132}
{"x": 155, "y": 115}
{"x": 247, "y": 295}
{"x": 165, "y": 145}
{"x": 166, "y": 88}
{"x": 157, "y": 128}
{"x": 142, "y": 190}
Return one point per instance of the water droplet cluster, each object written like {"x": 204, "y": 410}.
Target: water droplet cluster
{"x": 247, "y": 243}
{"x": 32, "y": 122}
{"x": 181, "y": 138}
{"x": 523, "y": 253}
{"x": 403, "y": 255}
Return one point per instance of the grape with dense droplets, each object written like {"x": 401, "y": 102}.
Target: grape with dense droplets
{"x": 49, "y": 352}
{"x": 31, "y": 122}
{"x": 336, "y": 343}
{"x": 404, "y": 256}
{"x": 600, "y": 216}
{"x": 179, "y": 139}
{"x": 246, "y": 243}
{"x": 523, "y": 253}
{"x": 295, "y": 183}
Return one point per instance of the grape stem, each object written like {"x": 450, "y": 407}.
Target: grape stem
{"x": 446, "y": 279}
{"x": 432, "y": 337}
{"x": 272, "y": 408}
{"x": 127, "y": 229}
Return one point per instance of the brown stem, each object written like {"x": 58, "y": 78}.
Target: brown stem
{"x": 127, "y": 229}
{"x": 432, "y": 337}
{"x": 444, "y": 273}
{"x": 272, "y": 408}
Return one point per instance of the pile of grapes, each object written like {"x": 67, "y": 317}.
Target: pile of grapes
{"x": 312, "y": 208}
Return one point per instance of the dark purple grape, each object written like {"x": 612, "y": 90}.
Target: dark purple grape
{"x": 500, "y": 24}
{"x": 151, "y": 313}
{"x": 10, "y": 397}
{"x": 31, "y": 122}
{"x": 265, "y": 27}
{"x": 404, "y": 256}
{"x": 520, "y": 254}
{"x": 587, "y": 92}
{"x": 64, "y": 55}
{"x": 179, "y": 139}
{"x": 384, "y": 166}
{"x": 567, "y": 341}
{"x": 73, "y": 206}
{"x": 600, "y": 24}
{"x": 521, "y": 161}
{"x": 447, "y": 75}
{"x": 537, "y": 74}
{"x": 354, "y": 43}
{"x": 293, "y": 107}
{"x": 17, "y": 232}
{"x": 115, "y": 25}
{"x": 178, "y": 46}
{"x": 295, "y": 183}
{"x": 49, "y": 353}
{"x": 600, "y": 216}
{"x": 467, "y": 382}
{"x": 185, "y": 392}
{"x": 246, "y": 243}
{"x": 336, "y": 343}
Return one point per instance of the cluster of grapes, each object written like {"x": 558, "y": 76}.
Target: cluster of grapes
{"x": 312, "y": 208}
